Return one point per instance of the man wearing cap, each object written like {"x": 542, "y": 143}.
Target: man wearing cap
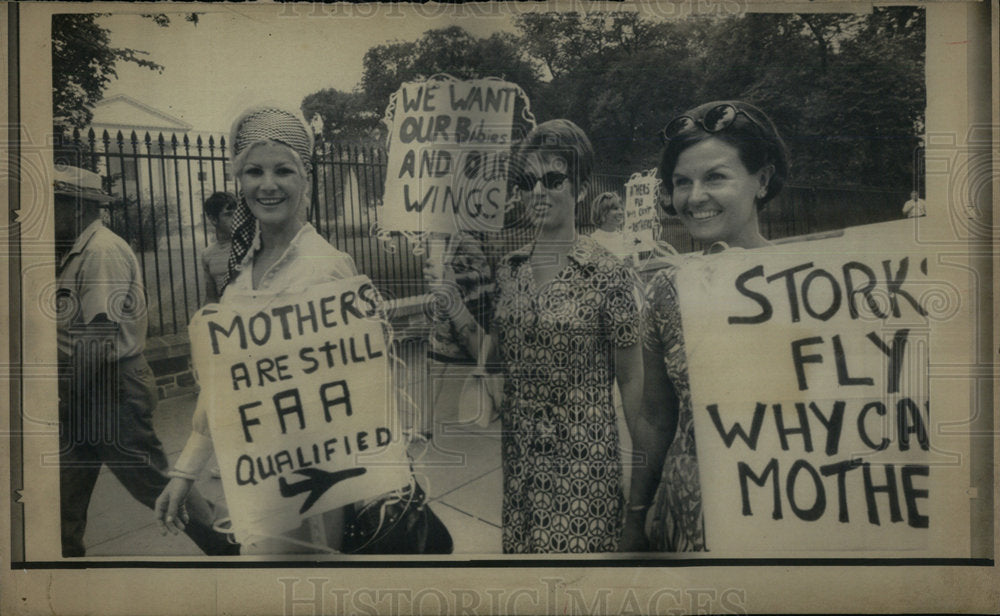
{"x": 106, "y": 388}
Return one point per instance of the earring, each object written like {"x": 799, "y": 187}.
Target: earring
{"x": 761, "y": 193}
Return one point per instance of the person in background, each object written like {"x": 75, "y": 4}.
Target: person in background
{"x": 722, "y": 163}
{"x": 609, "y": 216}
{"x": 106, "y": 389}
{"x": 450, "y": 361}
{"x": 565, "y": 326}
{"x": 219, "y": 209}
{"x": 915, "y": 207}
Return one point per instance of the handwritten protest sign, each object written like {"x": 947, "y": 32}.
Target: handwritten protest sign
{"x": 808, "y": 369}
{"x": 641, "y": 192}
{"x": 449, "y": 149}
{"x": 299, "y": 403}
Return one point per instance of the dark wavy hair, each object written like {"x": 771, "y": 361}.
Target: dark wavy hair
{"x": 217, "y": 202}
{"x": 758, "y": 144}
{"x": 565, "y": 139}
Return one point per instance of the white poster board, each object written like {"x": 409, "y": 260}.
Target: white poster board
{"x": 299, "y": 402}
{"x": 449, "y": 150}
{"x": 641, "y": 193}
{"x": 809, "y": 380}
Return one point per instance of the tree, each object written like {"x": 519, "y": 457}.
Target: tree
{"x": 83, "y": 64}
{"x": 449, "y": 50}
{"x": 845, "y": 90}
{"x": 343, "y": 114}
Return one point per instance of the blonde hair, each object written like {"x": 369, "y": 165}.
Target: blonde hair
{"x": 602, "y": 204}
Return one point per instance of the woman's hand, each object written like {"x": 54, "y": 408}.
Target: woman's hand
{"x": 169, "y": 508}
{"x": 634, "y": 533}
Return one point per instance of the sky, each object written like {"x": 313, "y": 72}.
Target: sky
{"x": 240, "y": 55}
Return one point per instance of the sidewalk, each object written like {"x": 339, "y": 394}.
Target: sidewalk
{"x": 459, "y": 470}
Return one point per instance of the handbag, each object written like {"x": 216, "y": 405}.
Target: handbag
{"x": 400, "y": 523}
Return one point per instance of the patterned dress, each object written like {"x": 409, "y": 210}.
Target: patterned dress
{"x": 677, "y": 521}
{"x": 562, "y": 471}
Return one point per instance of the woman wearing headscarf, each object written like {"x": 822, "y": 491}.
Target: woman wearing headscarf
{"x": 275, "y": 250}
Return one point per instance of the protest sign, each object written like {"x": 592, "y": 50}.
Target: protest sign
{"x": 808, "y": 369}
{"x": 297, "y": 391}
{"x": 641, "y": 193}
{"x": 449, "y": 149}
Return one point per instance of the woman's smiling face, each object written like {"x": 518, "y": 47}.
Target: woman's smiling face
{"x": 550, "y": 207}
{"x": 715, "y": 195}
{"x": 274, "y": 183}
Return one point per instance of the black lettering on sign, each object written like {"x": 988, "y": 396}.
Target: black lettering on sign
{"x": 840, "y": 469}
{"x": 240, "y": 374}
{"x": 895, "y": 355}
{"x": 317, "y": 483}
{"x": 895, "y": 285}
{"x": 800, "y": 360}
{"x": 833, "y": 424}
{"x": 288, "y": 402}
{"x": 865, "y": 290}
{"x": 214, "y": 329}
{"x": 765, "y": 306}
{"x": 911, "y": 494}
{"x": 793, "y": 298}
{"x": 728, "y": 436}
{"x": 889, "y": 488}
{"x": 247, "y": 421}
{"x": 770, "y": 471}
{"x": 803, "y": 427}
{"x": 819, "y": 504}
{"x": 343, "y": 398}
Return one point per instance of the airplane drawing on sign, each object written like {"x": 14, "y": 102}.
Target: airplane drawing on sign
{"x": 317, "y": 483}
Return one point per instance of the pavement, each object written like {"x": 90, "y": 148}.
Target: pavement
{"x": 459, "y": 468}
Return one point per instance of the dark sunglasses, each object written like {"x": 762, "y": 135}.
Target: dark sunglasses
{"x": 716, "y": 119}
{"x": 553, "y": 180}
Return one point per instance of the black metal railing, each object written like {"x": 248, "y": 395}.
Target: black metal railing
{"x": 161, "y": 183}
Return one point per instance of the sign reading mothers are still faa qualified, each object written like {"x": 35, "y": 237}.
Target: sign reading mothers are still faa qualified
{"x": 808, "y": 367}
{"x": 449, "y": 149}
{"x": 297, "y": 393}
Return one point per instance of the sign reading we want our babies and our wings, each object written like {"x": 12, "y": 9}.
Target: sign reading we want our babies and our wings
{"x": 814, "y": 428}
{"x": 297, "y": 391}
{"x": 449, "y": 152}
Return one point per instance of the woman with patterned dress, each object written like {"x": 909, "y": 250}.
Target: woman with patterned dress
{"x": 565, "y": 326}
{"x": 722, "y": 162}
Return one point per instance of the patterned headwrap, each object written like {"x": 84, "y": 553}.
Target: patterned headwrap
{"x": 253, "y": 126}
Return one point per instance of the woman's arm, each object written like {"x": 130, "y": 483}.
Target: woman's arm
{"x": 211, "y": 292}
{"x": 655, "y": 427}
{"x": 448, "y": 298}
{"x": 629, "y": 374}
{"x": 169, "y": 508}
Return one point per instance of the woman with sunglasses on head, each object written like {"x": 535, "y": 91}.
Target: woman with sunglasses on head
{"x": 275, "y": 251}
{"x": 565, "y": 326}
{"x": 722, "y": 162}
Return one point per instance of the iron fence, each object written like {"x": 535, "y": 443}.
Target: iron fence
{"x": 161, "y": 183}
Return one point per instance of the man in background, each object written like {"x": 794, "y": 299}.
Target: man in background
{"x": 915, "y": 206}
{"x": 106, "y": 388}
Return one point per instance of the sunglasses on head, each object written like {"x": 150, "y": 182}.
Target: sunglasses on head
{"x": 716, "y": 119}
{"x": 552, "y": 180}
